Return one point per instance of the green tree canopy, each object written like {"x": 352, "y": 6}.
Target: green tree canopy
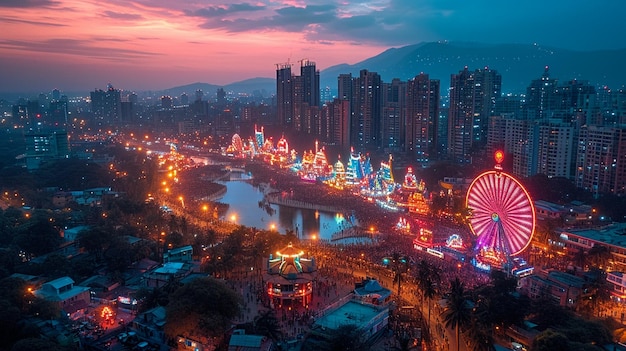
{"x": 38, "y": 236}
{"x": 204, "y": 305}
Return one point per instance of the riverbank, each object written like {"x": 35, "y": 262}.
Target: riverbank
{"x": 368, "y": 214}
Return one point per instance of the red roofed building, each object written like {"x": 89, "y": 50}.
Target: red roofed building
{"x": 289, "y": 276}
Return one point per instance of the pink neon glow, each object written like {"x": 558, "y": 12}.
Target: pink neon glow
{"x": 497, "y": 198}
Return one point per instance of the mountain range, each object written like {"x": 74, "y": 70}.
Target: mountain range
{"x": 518, "y": 64}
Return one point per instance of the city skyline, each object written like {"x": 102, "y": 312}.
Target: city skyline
{"x": 154, "y": 44}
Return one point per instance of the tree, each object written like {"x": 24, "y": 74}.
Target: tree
{"x": 398, "y": 264}
{"x": 480, "y": 335}
{"x": 428, "y": 278}
{"x": 347, "y": 337}
{"x": 429, "y": 292}
{"x": 39, "y": 344}
{"x": 204, "y": 305}
{"x": 550, "y": 340}
{"x": 149, "y": 298}
{"x": 56, "y": 266}
{"x": 457, "y": 313}
{"x": 119, "y": 255}
{"x": 405, "y": 343}
{"x": 598, "y": 256}
{"x": 38, "y": 236}
{"x": 10, "y": 315}
{"x": 266, "y": 323}
{"x": 95, "y": 240}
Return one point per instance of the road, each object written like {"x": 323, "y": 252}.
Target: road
{"x": 444, "y": 339}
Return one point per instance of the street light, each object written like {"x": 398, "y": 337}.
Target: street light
{"x": 398, "y": 264}
{"x": 182, "y": 201}
{"x": 233, "y": 218}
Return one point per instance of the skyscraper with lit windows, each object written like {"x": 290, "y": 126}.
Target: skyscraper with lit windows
{"x": 422, "y": 117}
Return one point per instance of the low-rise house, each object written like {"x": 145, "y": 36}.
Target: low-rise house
{"x": 72, "y": 299}
{"x": 563, "y": 288}
{"x": 150, "y": 324}
{"x": 239, "y": 341}
{"x": 167, "y": 272}
{"x": 179, "y": 254}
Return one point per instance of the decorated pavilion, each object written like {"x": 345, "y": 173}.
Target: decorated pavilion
{"x": 289, "y": 276}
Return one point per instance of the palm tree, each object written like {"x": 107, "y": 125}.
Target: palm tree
{"x": 480, "y": 335}
{"x": 405, "y": 343}
{"x": 457, "y": 313}
{"x": 427, "y": 274}
{"x": 266, "y": 323}
{"x": 429, "y": 291}
{"x": 399, "y": 264}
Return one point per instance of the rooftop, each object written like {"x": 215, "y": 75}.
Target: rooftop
{"x": 352, "y": 312}
{"x": 613, "y": 234}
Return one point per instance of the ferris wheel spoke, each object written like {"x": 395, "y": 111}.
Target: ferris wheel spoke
{"x": 500, "y": 194}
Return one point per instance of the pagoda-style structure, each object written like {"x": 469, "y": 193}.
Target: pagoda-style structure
{"x": 289, "y": 276}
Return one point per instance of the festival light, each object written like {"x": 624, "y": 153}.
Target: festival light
{"x": 502, "y": 212}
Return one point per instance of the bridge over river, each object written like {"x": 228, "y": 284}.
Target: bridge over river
{"x": 278, "y": 199}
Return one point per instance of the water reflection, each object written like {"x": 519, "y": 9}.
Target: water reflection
{"x": 244, "y": 198}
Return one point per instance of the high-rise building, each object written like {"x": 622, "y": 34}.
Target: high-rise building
{"x": 166, "y": 102}
{"x": 310, "y": 83}
{"x": 366, "y": 109}
{"x": 461, "y": 116}
{"x": 184, "y": 99}
{"x": 472, "y": 101}
{"x": 393, "y": 115}
{"x": 106, "y": 104}
{"x": 298, "y": 104}
{"x": 46, "y": 145}
{"x": 514, "y": 135}
{"x": 326, "y": 94}
{"x": 540, "y": 97}
{"x": 308, "y": 101}
{"x": 422, "y": 118}
{"x": 57, "y": 112}
{"x": 344, "y": 86}
{"x": 335, "y": 118}
{"x": 199, "y": 95}
{"x": 488, "y": 89}
{"x": 554, "y": 146}
{"x": 284, "y": 94}
{"x": 298, "y": 97}
{"x": 601, "y": 161}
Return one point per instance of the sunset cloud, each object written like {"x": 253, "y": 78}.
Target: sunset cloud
{"x": 156, "y": 42}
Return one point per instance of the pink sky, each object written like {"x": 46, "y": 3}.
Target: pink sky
{"x": 156, "y": 44}
{"x": 149, "y": 44}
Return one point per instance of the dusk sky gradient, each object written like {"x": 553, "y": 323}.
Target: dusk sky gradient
{"x": 79, "y": 45}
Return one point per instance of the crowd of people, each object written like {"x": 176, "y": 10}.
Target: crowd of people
{"x": 341, "y": 266}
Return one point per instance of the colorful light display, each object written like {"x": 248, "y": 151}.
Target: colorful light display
{"x": 502, "y": 216}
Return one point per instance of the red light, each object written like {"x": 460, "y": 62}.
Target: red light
{"x": 499, "y": 156}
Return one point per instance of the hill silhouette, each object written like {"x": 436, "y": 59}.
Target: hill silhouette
{"x": 518, "y": 64}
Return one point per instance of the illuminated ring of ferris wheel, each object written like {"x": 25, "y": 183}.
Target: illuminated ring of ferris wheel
{"x": 496, "y": 198}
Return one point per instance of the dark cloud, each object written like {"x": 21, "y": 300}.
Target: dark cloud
{"x": 82, "y": 48}
{"x": 122, "y": 16}
{"x": 220, "y": 11}
{"x": 324, "y": 23}
{"x": 36, "y": 23}
{"x": 291, "y": 19}
{"x": 402, "y": 22}
{"x": 28, "y": 3}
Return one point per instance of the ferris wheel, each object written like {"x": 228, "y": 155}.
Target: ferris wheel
{"x": 502, "y": 212}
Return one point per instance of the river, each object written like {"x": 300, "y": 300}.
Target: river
{"x": 244, "y": 209}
